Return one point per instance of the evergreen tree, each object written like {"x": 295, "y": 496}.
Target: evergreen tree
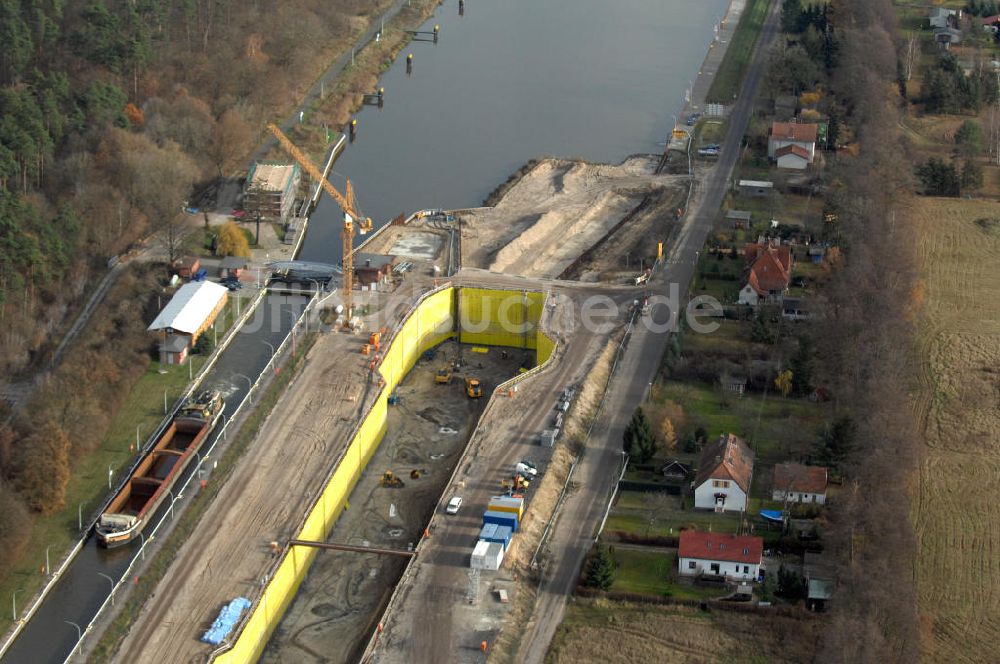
{"x": 801, "y": 366}
{"x": 972, "y": 175}
{"x": 969, "y": 139}
{"x": 638, "y": 441}
{"x": 791, "y": 16}
{"x": 601, "y": 570}
{"x": 938, "y": 178}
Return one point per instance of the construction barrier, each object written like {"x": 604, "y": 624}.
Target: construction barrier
{"x": 432, "y": 321}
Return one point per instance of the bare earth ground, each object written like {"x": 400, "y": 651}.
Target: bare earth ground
{"x": 344, "y": 592}
{"x": 602, "y": 631}
{"x": 441, "y": 612}
{"x": 556, "y": 212}
{"x": 956, "y": 511}
{"x": 228, "y": 552}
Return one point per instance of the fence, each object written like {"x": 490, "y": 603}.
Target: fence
{"x": 202, "y": 457}
{"x": 125, "y": 473}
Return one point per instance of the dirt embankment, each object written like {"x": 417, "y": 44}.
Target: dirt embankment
{"x": 556, "y": 212}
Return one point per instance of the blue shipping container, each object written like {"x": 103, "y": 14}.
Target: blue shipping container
{"x": 491, "y": 532}
{"x": 501, "y": 519}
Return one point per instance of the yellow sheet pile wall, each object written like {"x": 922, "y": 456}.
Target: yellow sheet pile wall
{"x": 427, "y": 326}
{"x": 499, "y": 317}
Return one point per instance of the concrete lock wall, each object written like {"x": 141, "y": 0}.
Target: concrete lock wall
{"x": 502, "y": 318}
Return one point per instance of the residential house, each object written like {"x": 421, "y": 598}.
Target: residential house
{"x": 735, "y": 557}
{"x": 991, "y": 23}
{"x": 796, "y": 483}
{"x": 725, "y": 469}
{"x": 191, "y": 311}
{"x": 788, "y": 134}
{"x": 940, "y": 17}
{"x": 675, "y": 471}
{"x": 792, "y": 157}
{"x": 767, "y": 274}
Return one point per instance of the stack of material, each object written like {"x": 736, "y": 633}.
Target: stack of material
{"x": 228, "y": 617}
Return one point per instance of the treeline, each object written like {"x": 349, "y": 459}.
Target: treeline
{"x": 866, "y": 346}
{"x": 112, "y": 110}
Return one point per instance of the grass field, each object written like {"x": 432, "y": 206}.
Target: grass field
{"x": 955, "y": 511}
{"x": 606, "y": 631}
{"x": 728, "y": 79}
{"x": 654, "y": 572}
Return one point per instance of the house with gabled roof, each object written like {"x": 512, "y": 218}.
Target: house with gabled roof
{"x": 725, "y": 469}
{"x": 798, "y": 134}
{"x": 796, "y": 483}
{"x": 719, "y": 554}
{"x": 767, "y": 274}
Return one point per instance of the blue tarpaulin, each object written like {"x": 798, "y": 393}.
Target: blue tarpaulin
{"x": 228, "y": 617}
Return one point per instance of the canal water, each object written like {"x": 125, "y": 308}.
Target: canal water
{"x": 510, "y": 81}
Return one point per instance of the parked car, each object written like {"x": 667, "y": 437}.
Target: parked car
{"x": 232, "y": 283}
{"x": 692, "y": 119}
{"x": 199, "y": 275}
{"x": 453, "y": 505}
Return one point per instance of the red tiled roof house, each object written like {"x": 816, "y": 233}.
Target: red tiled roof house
{"x": 725, "y": 469}
{"x": 720, "y": 554}
{"x": 788, "y": 134}
{"x": 768, "y": 273}
{"x": 797, "y": 483}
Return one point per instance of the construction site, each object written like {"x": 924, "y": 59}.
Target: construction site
{"x": 455, "y": 389}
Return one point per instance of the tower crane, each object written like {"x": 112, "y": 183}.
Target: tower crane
{"x": 346, "y": 201}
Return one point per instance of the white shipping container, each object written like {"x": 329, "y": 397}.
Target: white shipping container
{"x": 487, "y": 555}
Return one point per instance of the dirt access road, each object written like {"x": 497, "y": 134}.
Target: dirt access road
{"x": 228, "y": 551}
{"x": 573, "y": 534}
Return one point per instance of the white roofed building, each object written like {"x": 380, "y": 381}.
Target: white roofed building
{"x": 192, "y": 310}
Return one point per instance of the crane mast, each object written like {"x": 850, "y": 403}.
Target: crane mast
{"x": 346, "y": 202}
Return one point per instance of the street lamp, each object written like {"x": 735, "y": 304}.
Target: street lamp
{"x": 295, "y": 323}
{"x": 79, "y": 635}
{"x": 111, "y": 473}
{"x": 13, "y": 602}
{"x": 47, "y": 559}
{"x": 112, "y": 582}
{"x": 249, "y": 386}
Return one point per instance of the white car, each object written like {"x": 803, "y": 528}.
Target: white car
{"x": 525, "y": 469}
{"x": 453, "y": 505}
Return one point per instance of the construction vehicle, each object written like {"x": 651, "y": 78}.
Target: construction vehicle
{"x": 515, "y": 483}
{"x": 416, "y": 473}
{"x": 473, "y": 388}
{"x": 347, "y": 204}
{"x": 443, "y": 376}
{"x": 391, "y": 481}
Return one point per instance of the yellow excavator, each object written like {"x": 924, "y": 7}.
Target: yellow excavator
{"x": 390, "y": 480}
{"x": 443, "y": 376}
{"x": 473, "y": 388}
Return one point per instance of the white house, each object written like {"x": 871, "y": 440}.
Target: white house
{"x": 799, "y": 484}
{"x": 724, "y": 472}
{"x": 768, "y": 272}
{"x": 736, "y": 557}
{"x": 792, "y": 157}
{"x": 786, "y": 134}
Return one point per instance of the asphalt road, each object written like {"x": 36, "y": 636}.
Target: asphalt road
{"x": 572, "y": 536}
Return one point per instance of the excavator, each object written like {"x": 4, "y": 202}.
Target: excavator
{"x": 346, "y": 202}
{"x": 390, "y": 480}
{"x": 473, "y": 388}
{"x": 443, "y": 376}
